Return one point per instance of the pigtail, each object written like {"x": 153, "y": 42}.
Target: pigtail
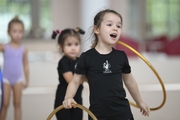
{"x": 80, "y": 31}
{"x": 66, "y": 33}
{"x": 54, "y": 34}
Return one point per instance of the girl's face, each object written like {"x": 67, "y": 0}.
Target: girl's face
{"x": 16, "y": 32}
{"x": 110, "y": 29}
{"x": 71, "y": 47}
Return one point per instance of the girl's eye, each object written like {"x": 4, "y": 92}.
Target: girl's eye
{"x": 108, "y": 24}
{"x": 69, "y": 44}
{"x": 14, "y": 31}
{"x": 118, "y": 26}
{"x": 77, "y": 44}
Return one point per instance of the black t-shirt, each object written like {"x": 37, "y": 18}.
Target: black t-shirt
{"x": 67, "y": 65}
{"x": 104, "y": 72}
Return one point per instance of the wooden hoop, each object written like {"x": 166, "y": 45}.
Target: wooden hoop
{"x": 74, "y": 105}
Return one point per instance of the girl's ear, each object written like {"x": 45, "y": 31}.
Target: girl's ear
{"x": 60, "y": 47}
{"x": 96, "y": 30}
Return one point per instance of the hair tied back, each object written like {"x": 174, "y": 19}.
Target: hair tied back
{"x": 54, "y": 34}
{"x": 79, "y": 30}
{"x": 58, "y": 31}
{"x": 16, "y": 17}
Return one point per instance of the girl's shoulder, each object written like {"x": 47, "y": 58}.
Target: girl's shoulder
{"x": 15, "y": 46}
{"x": 119, "y": 52}
{"x": 64, "y": 60}
{"x": 89, "y": 52}
{"x": 92, "y": 52}
{"x": 25, "y": 50}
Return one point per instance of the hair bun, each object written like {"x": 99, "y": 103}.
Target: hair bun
{"x": 80, "y": 30}
{"x": 16, "y": 17}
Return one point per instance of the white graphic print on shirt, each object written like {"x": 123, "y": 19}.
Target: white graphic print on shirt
{"x": 75, "y": 66}
{"x": 106, "y": 66}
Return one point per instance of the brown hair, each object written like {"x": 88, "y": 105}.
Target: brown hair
{"x": 15, "y": 20}
{"x": 99, "y": 18}
{"x": 66, "y": 33}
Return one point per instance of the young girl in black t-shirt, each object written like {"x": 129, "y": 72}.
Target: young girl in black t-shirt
{"x": 69, "y": 43}
{"x": 106, "y": 69}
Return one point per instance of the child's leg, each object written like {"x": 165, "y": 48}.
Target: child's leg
{"x": 17, "y": 93}
{"x": 7, "y": 91}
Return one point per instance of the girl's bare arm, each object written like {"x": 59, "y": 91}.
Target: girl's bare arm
{"x": 26, "y": 67}
{"x": 132, "y": 87}
{"x": 72, "y": 89}
{"x": 73, "y": 86}
{"x": 69, "y": 75}
{"x": 2, "y": 47}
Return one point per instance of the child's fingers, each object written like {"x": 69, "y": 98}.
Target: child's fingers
{"x": 67, "y": 103}
{"x": 73, "y": 102}
{"x": 145, "y": 111}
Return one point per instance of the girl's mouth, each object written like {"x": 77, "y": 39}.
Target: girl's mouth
{"x": 113, "y": 35}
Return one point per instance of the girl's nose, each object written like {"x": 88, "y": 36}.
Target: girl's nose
{"x": 73, "y": 47}
{"x": 115, "y": 29}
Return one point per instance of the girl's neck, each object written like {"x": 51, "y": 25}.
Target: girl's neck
{"x": 14, "y": 44}
{"x": 103, "y": 49}
{"x": 72, "y": 58}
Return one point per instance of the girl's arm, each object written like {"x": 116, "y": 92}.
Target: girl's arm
{"x": 26, "y": 67}
{"x": 71, "y": 90}
{"x": 68, "y": 76}
{"x": 132, "y": 87}
{"x": 2, "y": 47}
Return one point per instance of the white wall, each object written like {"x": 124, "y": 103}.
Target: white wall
{"x": 65, "y": 13}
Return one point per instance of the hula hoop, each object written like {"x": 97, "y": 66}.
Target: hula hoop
{"x": 133, "y": 104}
{"x": 2, "y": 90}
{"x": 155, "y": 72}
{"x": 74, "y": 105}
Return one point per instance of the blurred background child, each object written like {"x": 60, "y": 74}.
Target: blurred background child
{"x": 15, "y": 57}
{"x": 69, "y": 42}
